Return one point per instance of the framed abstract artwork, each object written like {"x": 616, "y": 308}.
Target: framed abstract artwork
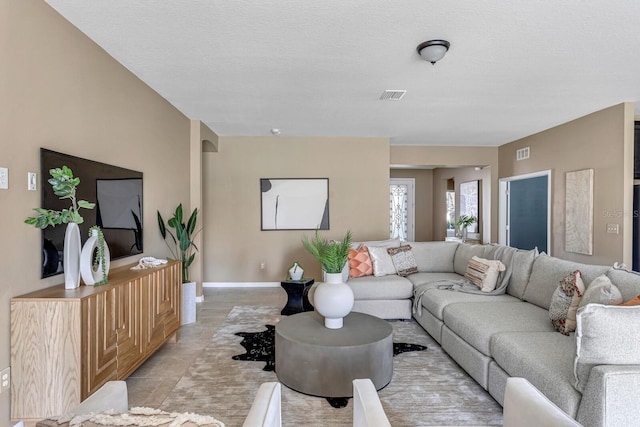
{"x": 294, "y": 203}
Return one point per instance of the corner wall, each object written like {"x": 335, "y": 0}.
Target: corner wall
{"x": 603, "y": 141}
{"x": 358, "y": 172}
{"x": 61, "y": 91}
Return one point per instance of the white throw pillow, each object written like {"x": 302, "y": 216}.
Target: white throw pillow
{"x": 382, "y": 262}
{"x": 601, "y": 291}
{"x": 484, "y": 272}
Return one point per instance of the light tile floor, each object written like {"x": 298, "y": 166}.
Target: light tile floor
{"x": 152, "y": 382}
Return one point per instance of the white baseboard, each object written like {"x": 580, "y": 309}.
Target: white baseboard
{"x": 241, "y": 284}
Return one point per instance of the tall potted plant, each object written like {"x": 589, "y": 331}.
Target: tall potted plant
{"x": 183, "y": 247}
{"x": 333, "y": 298}
{"x": 64, "y": 186}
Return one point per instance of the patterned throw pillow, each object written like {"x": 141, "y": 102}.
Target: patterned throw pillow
{"x": 565, "y": 301}
{"x": 359, "y": 262}
{"x": 403, "y": 260}
{"x": 484, "y": 272}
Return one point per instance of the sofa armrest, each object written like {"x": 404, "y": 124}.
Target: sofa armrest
{"x": 367, "y": 409}
{"x": 111, "y": 396}
{"x": 266, "y": 407}
{"x": 611, "y": 396}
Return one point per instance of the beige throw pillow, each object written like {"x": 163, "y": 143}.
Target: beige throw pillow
{"x": 484, "y": 273}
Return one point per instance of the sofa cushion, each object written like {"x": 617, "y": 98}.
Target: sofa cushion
{"x": 601, "y": 291}
{"x": 389, "y": 243}
{"x": 359, "y": 262}
{"x": 435, "y": 300}
{"x": 403, "y": 260}
{"x": 545, "y": 359}
{"x": 381, "y": 287}
{"x": 464, "y": 253}
{"x": 423, "y": 278}
{"x": 605, "y": 335}
{"x": 434, "y": 256}
{"x": 547, "y": 272}
{"x": 477, "y": 323}
{"x": 521, "y": 271}
{"x": 628, "y": 282}
{"x": 565, "y": 301}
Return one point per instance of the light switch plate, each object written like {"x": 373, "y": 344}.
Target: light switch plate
{"x": 32, "y": 184}
{"x": 4, "y": 179}
{"x": 5, "y": 379}
{"x": 613, "y": 228}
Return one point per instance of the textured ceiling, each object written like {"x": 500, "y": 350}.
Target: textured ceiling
{"x": 318, "y": 68}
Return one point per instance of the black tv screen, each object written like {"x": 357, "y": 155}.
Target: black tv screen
{"x": 117, "y": 193}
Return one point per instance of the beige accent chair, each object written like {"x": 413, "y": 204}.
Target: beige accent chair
{"x": 367, "y": 409}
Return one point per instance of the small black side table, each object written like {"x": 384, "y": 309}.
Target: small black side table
{"x": 297, "y": 296}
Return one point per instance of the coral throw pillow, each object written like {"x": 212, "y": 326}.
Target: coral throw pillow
{"x": 634, "y": 301}
{"x": 359, "y": 262}
{"x": 565, "y": 302}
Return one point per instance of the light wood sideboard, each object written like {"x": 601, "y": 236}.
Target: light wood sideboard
{"x": 65, "y": 344}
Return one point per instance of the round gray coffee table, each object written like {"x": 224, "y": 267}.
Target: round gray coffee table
{"x": 323, "y": 362}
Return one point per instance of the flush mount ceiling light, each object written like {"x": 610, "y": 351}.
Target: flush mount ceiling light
{"x": 433, "y": 50}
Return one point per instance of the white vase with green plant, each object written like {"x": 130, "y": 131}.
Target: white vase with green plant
{"x": 64, "y": 186}
{"x": 333, "y": 299}
{"x": 95, "y": 259}
{"x": 463, "y": 223}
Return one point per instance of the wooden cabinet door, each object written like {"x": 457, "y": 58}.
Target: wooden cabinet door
{"x": 99, "y": 340}
{"x": 173, "y": 280}
{"x": 129, "y": 326}
{"x": 162, "y": 305}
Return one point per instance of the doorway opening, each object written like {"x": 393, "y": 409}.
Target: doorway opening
{"x": 402, "y": 208}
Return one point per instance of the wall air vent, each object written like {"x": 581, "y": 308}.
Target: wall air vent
{"x": 522, "y": 153}
{"x": 392, "y": 95}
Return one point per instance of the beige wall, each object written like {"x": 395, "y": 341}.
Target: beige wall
{"x": 234, "y": 247}
{"x": 423, "y": 200}
{"x": 456, "y": 157}
{"x": 602, "y": 141}
{"x": 60, "y": 91}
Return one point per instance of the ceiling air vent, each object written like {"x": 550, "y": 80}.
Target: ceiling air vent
{"x": 522, "y": 153}
{"x": 392, "y": 95}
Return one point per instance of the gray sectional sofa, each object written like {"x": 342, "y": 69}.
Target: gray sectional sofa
{"x": 494, "y": 337}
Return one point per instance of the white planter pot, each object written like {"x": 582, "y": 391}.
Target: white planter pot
{"x": 188, "y": 308}
{"x": 333, "y": 300}
{"x": 90, "y": 275}
{"x": 71, "y": 256}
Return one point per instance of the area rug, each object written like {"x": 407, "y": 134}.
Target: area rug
{"x": 427, "y": 389}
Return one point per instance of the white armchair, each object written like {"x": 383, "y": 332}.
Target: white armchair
{"x": 266, "y": 408}
{"x": 367, "y": 409}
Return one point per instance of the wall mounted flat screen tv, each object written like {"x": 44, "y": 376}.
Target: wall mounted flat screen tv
{"x": 117, "y": 193}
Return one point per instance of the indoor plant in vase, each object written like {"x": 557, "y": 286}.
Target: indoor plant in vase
{"x": 64, "y": 186}
{"x": 463, "y": 222}
{"x": 95, "y": 258}
{"x": 184, "y": 249}
{"x": 333, "y": 299}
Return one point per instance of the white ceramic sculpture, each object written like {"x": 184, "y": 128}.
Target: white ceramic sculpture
{"x": 333, "y": 300}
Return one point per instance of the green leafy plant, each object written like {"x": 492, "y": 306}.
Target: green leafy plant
{"x": 465, "y": 220}
{"x": 64, "y": 186}
{"x": 183, "y": 248}
{"x": 332, "y": 255}
{"x": 99, "y": 258}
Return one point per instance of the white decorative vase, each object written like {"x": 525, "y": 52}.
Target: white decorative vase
{"x": 296, "y": 272}
{"x": 333, "y": 300}
{"x": 71, "y": 256}
{"x": 188, "y": 312}
{"x": 91, "y": 275}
